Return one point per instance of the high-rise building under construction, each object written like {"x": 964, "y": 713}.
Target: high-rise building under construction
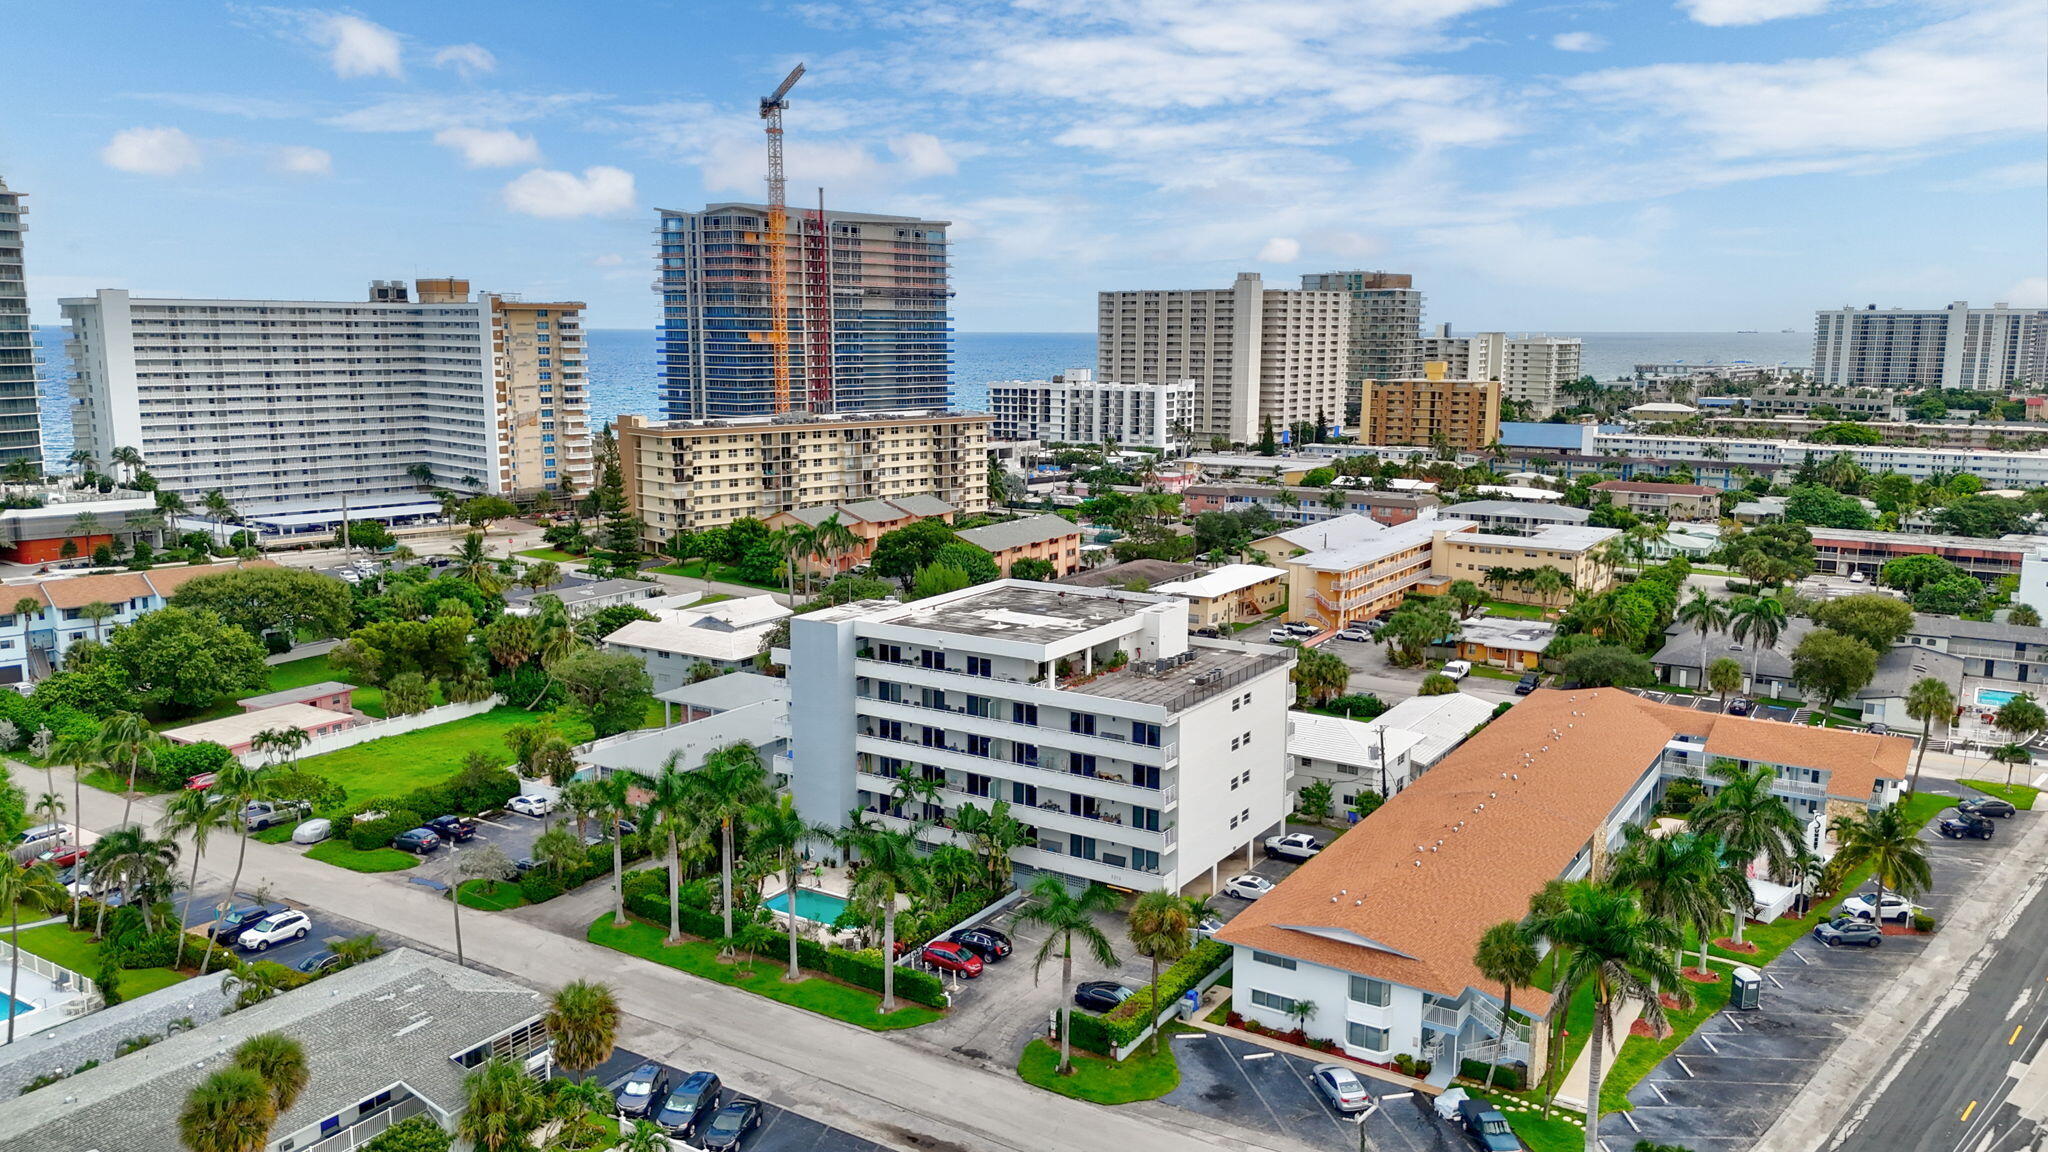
{"x": 865, "y": 303}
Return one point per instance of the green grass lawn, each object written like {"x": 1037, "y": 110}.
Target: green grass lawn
{"x": 815, "y": 994}
{"x": 109, "y": 780}
{"x": 554, "y": 554}
{"x": 2019, "y": 795}
{"x": 1100, "y": 1080}
{"x": 1542, "y": 1134}
{"x": 1639, "y": 1054}
{"x": 1514, "y": 611}
{"x": 491, "y": 895}
{"x": 1491, "y": 673}
{"x": 393, "y": 765}
{"x": 722, "y": 573}
{"x": 340, "y": 854}
{"x": 77, "y": 951}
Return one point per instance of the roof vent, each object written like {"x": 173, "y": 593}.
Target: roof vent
{"x": 1333, "y": 899}
{"x": 1358, "y": 903}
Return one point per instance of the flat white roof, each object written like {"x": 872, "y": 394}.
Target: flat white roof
{"x": 1341, "y": 741}
{"x": 1443, "y": 722}
{"x": 243, "y": 726}
{"x": 1400, "y": 536}
{"x": 1221, "y": 582}
{"x": 1336, "y": 532}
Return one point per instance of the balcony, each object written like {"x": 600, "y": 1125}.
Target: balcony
{"x": 1102, "y": 788}
{"x": 1108, "y": 744}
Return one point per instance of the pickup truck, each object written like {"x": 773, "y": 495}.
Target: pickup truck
{"x": 1295, "y": 846}
{"x": 1487, "y": 1126}
{"x": 268, "y": 813}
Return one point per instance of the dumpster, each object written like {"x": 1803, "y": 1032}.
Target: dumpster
{"x": 1749, "y": 988}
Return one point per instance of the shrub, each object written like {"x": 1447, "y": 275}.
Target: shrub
{"x": 365, "y": 835}
{"x": 1923, "y": 922}
{"x": 1507, "y": 1077}
{"x": 413, "y": 1134}
{"x": 180, "y": 762}
{"x": 1404, "y": 1064}
{"x": 135, "y": 1043}
{"x": 1362, "y": 706}
{"x": 1129, "y": 1018}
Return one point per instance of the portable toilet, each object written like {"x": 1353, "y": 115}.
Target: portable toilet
{"x": 1749, "y": 988}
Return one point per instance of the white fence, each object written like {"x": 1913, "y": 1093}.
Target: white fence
{"x": 56, "y": 974}
{"x": 373, "y": 729}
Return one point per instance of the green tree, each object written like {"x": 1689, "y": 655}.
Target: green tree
{"x": 33, "y": 887}
{"x": 582, "y": 1019}
{"x": 1878, "y": 620}
{"x": 503, "y": 1107}
{"x": 899, "y": 554}
{"x": 1603, "y": 665}
{"x": 195, "y": 814}
{"x": 1888, "y": 844}
{"x": 2023, "y": 616}
{"x": 890, "y": 866}
{"x": 1950, "y": 596}
{"x": 265, "y": 600}
{"x": 280, "y": 1062}
{"x": 236, "y": 786}
{"x": 730, "y": 781}
{"x": 1268, "y": 446}
{"x": 558, "y": 851}
{"x": 1749, "y": 821}
{"x": 412, "y": 1134}
{"x": 1159, "y": 929}
{"x": 183, "y": 660}
{"x": 1912, "y": 573}
{"x": 1467, "y": 596}
{"x": 229, "y": 1111}
{"x": 937, "y": 580}
{"x": 1507, "y": 956}
{"x": 611, "y": 689}
{"x": 1832, "y": 666}
{"x": 1706, "y": 616}
{"x": 1814, "y": 504}
{"x": 475, "y": 565}
{"x": 1032, "y": 568}
{"x": 1757, "y": 621}
{"x": 479, "y": 512}
{"x": 994, "y": 832}
{"x": 408, "y": 694}
{"x": 1683, "y": 878}
{"x": 125, "y": 857}
{"x": 777, "y": 832}
{"x": 1318, "y": 675}
{"x": 1930, "y": 702}
{"x": 1314, "y": 799}
{"x": 1437, "y": 684}
{"x": 127, "y": 739}
{"x": 1067, "y": 918}
{"x": 971, "y": 559}
{"x": 2021, "y": 718}
{"x": 1724, "y": 675}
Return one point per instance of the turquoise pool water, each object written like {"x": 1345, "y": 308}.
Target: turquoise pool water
{"x": 19, "y": 1007}
{"x": 811, "y": 904}
{"x": 1995, "y": 697}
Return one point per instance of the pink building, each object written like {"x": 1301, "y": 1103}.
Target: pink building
{"x": 238, "y": 733}
{"x": 332, "y": 695}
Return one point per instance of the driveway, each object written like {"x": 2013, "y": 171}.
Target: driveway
{"x": 326, "y": 926}
{"x": 1725, "y": 1086}
{"x": 1372, "y": 672}
{"x": 781, "y": 1130}
{"x": 1235, "y": 1080}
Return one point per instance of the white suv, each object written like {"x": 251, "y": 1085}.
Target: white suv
{"x": 276, "y": 928}
{"x": 1458, "y": 669}
{"x": 535, "y": 805}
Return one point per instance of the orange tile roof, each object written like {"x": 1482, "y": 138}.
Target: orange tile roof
{"x": 167, "y": 581}
{"x": 1406, "y": 895}
{"x": 114, "y": 588}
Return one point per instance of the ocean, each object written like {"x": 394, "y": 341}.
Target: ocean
{"x": 623, "y": 365}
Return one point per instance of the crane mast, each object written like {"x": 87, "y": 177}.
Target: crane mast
{"x": 778, "y": 238}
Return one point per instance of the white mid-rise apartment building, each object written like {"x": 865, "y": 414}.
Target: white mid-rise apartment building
{"x": 1076, "y": 408}
{"x": 1256, "y": 355}
{"x": 294, "y": 408}
{"x": 1138, "y": 757}
{"x": 1954, "y": 347}
{"x": 1531, "y": 369}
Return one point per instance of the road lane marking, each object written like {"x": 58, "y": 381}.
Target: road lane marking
{"x": 2014, "y": 1038}
{"x": 1971, "y": 1107}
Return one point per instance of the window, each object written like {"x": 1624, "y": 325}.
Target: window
{"x": 1082, "y": 722}
{"x": 1146, "y": 734}
{"x": 1366, "y": 990}
{"x": 1024, "y": 713}
{"x": 980, "y": 666}
{"x": 1234, "y": 741}
{"x": 1273, "y": 1000}
{"x": 1275, "y": 961}
{"x": 1365, "y": 1036}
{"x": 980, "y": 705}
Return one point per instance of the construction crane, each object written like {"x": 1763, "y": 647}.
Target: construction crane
{"x": 778, "y": 240}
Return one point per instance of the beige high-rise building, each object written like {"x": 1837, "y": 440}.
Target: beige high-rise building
{"x": 1435, "y": 410}
{"x": 689, "y": 475}
{"x": 1256, "y": 354}
{"x": 1531, "y": 369}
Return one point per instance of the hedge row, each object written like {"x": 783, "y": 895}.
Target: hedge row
{"x": 1128, "y": 1019}
{"x": 647, "y": 898}
{"x": 1507, "y": 1077}
{"x": 538, "y": 886}
{"x": 470, "y": 792}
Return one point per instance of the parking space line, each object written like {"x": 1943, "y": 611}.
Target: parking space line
{"x": 1681, "y": 1064}
{"x": 1660, "y": 1092}
{"x": 1709, "y": 1042}
{"x": 1773, "y": 980}
{"x": 1630, "y": 1117}
{"x": 1250, "y": 1056}
{"x": 1734, "y": 1023}
{"x": 1802, "y": 957}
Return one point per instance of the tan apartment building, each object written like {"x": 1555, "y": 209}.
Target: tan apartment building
{"x": 1573, "y": 551}
{"x": 686, "y": 476}
{"x": 1255, "y": 354}
{"x": 1436, "y": 410}
{"x": 1230, "y": 595}
{"x": 1664, "y": 501}
{"x": 1053, "y": 539}
{"x": 539, "y": 370}
{"x": 1360, "y": 574}
{"x": 868, "y": 520}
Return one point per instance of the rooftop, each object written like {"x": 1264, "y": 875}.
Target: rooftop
{"x": 1505, "y": 632}
{"x": 1399, "y": 538}
{"x": 1336, "y": 532}
{"x": 1222, "y": 581}
{"x": 574, "y": 593}
{"x": 1021, "y": 610}
{"x": 1151, "y": 572}
{"x": 243, "y": 727}
{"x": 724, "y": 693}
{"x": 764, "y": 724}
{"x": 1928, "y": 541}
{"x": 1211, "y": 669}
{"x": 1642, "y": 486}
{"x": 1341, "y": 741}
{"x": 295, "y": 695}
{"x": 1534, "y": 510}
{"x": 1018, "y": 533}
{"x": 1442, "y": 722}
{"x": 1562, "y": 537}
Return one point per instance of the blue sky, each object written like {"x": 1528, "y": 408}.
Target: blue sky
{"x": 1603, "y": 166}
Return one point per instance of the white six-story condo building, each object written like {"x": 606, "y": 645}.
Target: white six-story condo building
{"x": 1140, "y": 758}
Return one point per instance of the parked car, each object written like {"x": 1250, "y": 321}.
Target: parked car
{"x": 419, "y": 841}
{"x": 201, "y": 782}
{"x": 1896, "y": 907}
{"x": 1487, "y": 1127}
{"x": 318, "y": 963}
{"x": 1528, "y": 683}
{"x": 1247, "y": 887}
{"x": 313, "y": 831}
{"x": 1986, "y": 806}
{"x": 1848, "y": 930}
{"x": 235, "y": 921}
{"x": 1293, "y": 846}
{"x": 62, "y": 856}
{"x": 1101, "y": 995}
{"x": 636, "y": 1094}
{"x": 986, "y": 943}
{"x": 731, "y": 1125}
{"x": 689, "y": 1104}
{"x": 1878, "y": 729}
{"x": 458, "y": 829}
{"x": 41, "y": 832}
{"x": 265, "y": 813}
{"x": 949, "y": 956}
{"x": 531, "y": 805}
{"x": 1341, "y": 1087}
{"x": 276, "y": 928}
{"x": 1281, "y": 636}
{"x": 1207, "y": 927}
{"x": 1966, "y": 826}
{"x": 1457, "y": 669}
{"x": 1303, "y": 628}
{"x": 1740, "y": 707}
{"x": 1355, "y": 633}
{"x": 525, "y": 864}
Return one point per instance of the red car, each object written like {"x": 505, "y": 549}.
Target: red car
{"x": 62, "y": 856}
{"x": 952, "y": 957}
{"x": 201, "y": 782}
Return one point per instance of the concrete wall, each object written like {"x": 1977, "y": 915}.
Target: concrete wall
{"x": 366, "y": 732}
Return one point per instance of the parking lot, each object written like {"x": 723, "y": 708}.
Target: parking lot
{"x": 1372, "y": 672}
{"x": 200, "y": 911}
{"x": 780, "y": 1131}
{"x": 1238, "y": 1081}
{"x": 1729, "y": 1081}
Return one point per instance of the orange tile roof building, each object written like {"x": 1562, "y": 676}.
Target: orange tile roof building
{"x": 1378, "y": 931}
{"x": 32, "y": 645}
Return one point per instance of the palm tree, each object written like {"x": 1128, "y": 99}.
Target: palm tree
{"x": 572, "y": 1100}
{"x": 835, "y": 540}
{"x": 358, "y": 949}
{"x": 2012, "y": 756}
{"x": 252, "y": 983}
{"x": 730, "y": 781}
{"x": 127, "y": 859}
{"x": 281, "y": 744}
{"x": 1159, "y": 927}
{"x": 475, "y": 564}
{"x": 229, "y": 1111}
{"x": 913, "y": 786}
{"x": 1888, "y": 844}
{"x": 1066, "y": 916}
{"x": 673, "y": 810}
{"x": 614, "y": 794}
{"x": 994, "y": 832}
{"x": 1724, "y": 676}
{"x": 1706, "y": 616}
{"x": 1506, "y": 955}
{"x": 236, "y": 786}
{"x": 222, "y": 510}
{"x": 98, "y": 612}
{"x": 81, "y": 752}
{"x": 422, "y": 474}
{"x": 583, "y": 1021}
{"x": 1680, "y": 878}
{"x": 81, "y": 459}
{"x": 775, "y": 829}
{"x": 1611, "y": 946}
{"x": 130, "y": 459}
{"x": 645, "y": 1136}
{"x": 127, "y": 738}
{"x": 890, "y": 866}
{"x": 503, "y": 1107}
{"x": 1930, "y": 702}
{"x": 1547, "y": 584}
{"x": 1749, "y": 821}
{"x": 2021, "y": 718}
{"x": 281, "y": 1063}
{"x": 33, "y": 886}
{"x": 197, "y": 814}
{"x": 1758, "y": 621}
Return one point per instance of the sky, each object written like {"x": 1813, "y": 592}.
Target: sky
{"x": 1647, "y": 165}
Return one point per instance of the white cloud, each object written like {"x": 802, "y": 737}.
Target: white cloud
{"x": 151, "y": 151}
{"x": 600, "y": 191}
{"x": 1727, "y": 13}
{"x": 1280, "y": 250}
{"x": 468, "y": 59}
{"x": 490, "y": 147}
{"x": 299, "y": 161}
{"x": 607, "y": 260}
{"x": 923, "y": 154}
{"x": 358, "y": 47}
{"x": 1578, "y": 42}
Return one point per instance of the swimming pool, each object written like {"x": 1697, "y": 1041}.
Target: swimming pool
{"x": 21, "y": 1007}
{"x": 1995, "y": 697}
{"x": 811, "y": 904}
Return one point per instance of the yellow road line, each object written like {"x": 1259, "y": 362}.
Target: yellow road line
{"x": 2016, "y": 1029}
{"x": 1966, "y": 1111}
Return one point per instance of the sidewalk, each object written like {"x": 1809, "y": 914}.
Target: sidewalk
{"x": 1572, "y": 1091}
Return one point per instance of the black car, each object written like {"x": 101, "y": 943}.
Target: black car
{"x": 460, "y": 829}
{"x": 1986, "y": 806}
{"x": 1527, "y": 683}
{"x": 1100, "y": 995}
{"x": 642, "y": 1086}
{"x": 986, "y": 943}
{"x": 731, "y": 1125}
{"x": 236, "y": 921}
{"x": 1487, "y": 1127}
{"x": 524, "y": 864}
{"x": 318, "y": 963}
{"x": 689, "y": 1104}
{"x": 1966, "y": 826}
{"x": 1739, "y": 707}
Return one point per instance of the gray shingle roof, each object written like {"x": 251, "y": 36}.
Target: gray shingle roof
{"x": 1017, "y": 533}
